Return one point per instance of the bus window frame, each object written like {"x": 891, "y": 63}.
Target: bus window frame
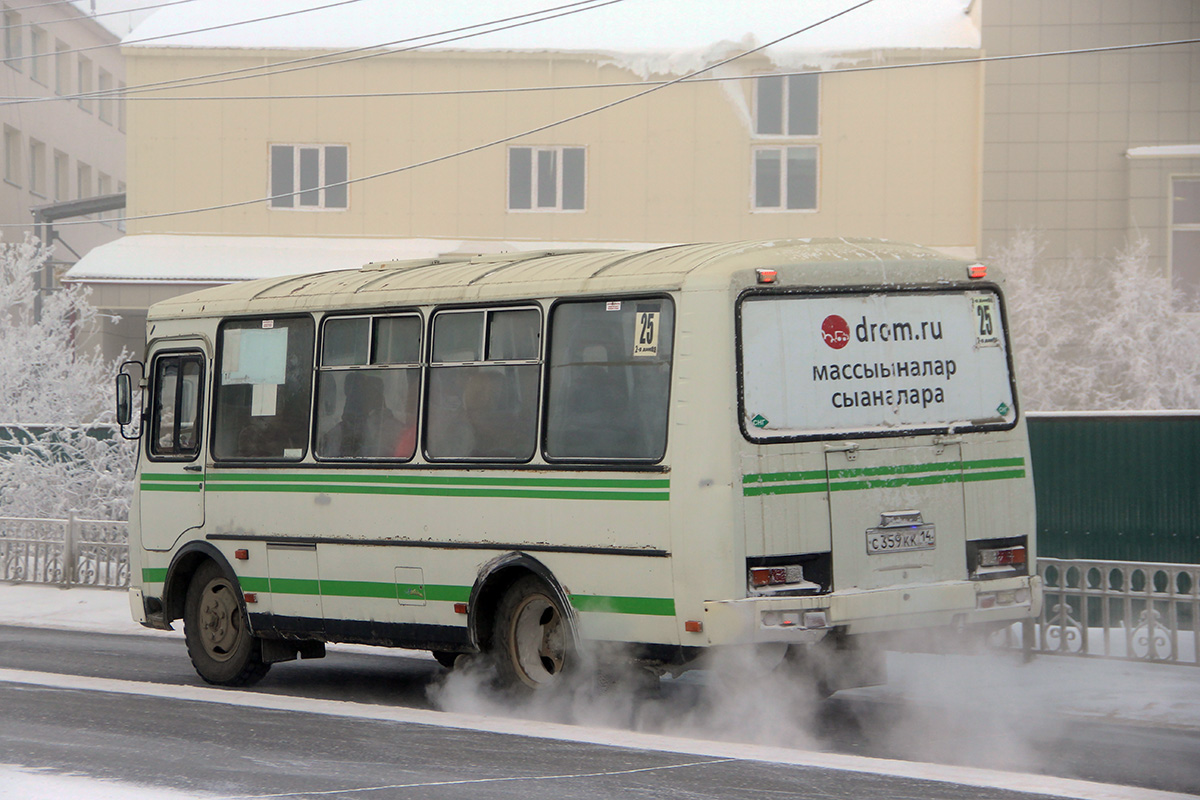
{"x": 593, "y": 461}
{"x": 420, "y": 366}
{"x": 834, "y": 436}
{"x": 152, "y": 428}
{"x": 430, "y": 365}
{"x": 218, "y": 354}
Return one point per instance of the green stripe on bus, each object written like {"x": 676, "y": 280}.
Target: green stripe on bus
{"x": 442, "y": 480}
{"x": 251, "y": 584}
{"x": 153, "y": 575}
{"x": 421, "y": 491}
{"x": 169, "y": 476}
{"x": 536, "y": 488}
{"x": 883, "y": 477}
{"x": 154, "y": 486}
{"x": 651, "y": 606}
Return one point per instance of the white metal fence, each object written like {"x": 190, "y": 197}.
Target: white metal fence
{"x": 66, "y": 552}
{"x": 1132, "y": 610}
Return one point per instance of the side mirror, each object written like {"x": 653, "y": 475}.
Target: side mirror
{"x": 124, "y": 399}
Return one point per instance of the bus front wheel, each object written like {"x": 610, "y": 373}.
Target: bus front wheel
{"x": 532, "y": 641}
{"x": 219, "y": 642}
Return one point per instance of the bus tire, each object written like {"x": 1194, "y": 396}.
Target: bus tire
{"x": 219, "y": 642}
{"x": 532, "y": 643}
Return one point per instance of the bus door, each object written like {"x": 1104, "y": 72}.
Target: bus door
{"x": 897, "y": 514}
{"x": 171, "y": 480}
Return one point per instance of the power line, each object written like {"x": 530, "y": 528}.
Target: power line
{"x": 181, "y": 33}
{"x": 629, "y": 84}
{"x": 370, "y": 50}
{"x": 557, "y": 123}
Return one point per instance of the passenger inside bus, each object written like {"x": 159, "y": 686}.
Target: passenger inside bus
{"x": 368, "y": 428}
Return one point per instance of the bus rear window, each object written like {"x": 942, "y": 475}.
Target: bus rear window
{"x": 873, "y": 364}
{"x": 610, "y": 376}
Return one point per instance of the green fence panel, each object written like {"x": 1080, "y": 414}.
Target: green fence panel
{"x": 1123, "y": 487}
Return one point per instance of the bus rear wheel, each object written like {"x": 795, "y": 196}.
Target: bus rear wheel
{"x": 533, "y": 642}
{"x": 219, "y": 641}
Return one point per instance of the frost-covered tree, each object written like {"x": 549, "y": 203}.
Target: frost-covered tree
{"x": 55, "y": 402}
{"x": 1107, "y": 336}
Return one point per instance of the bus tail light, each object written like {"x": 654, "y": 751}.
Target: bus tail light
{"x": 1002, "y": 557}
{"x": 976, "y": 271}
{"x": 998, "y": 558}
{"x": 776, "y": 576}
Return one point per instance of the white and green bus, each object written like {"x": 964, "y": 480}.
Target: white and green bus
{"x": 795, "y": 444}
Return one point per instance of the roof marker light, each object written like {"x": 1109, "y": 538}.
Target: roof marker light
{"x": 977, "y": 271}
{"x": 767, "y": 275}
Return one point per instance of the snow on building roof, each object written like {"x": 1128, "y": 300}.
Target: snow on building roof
{"x": 172, "y": 258}
{"x": 676, "y": 28}
{"x": 1165, "y": 151}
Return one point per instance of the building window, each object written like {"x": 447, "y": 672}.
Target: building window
{"x": 85, "y": 83}
{"x": 83, "y": 182}
{"x": 37, "y": 167}
{"x": 307, "y": 177}
{"x": 121, "y": 106}
{"x": 104, "y": 103}
{"x": 1185, "y": 239}
{"x": 787, "y": 105}
{"x": 12, "y": 39}
{"x": 12, "y": 155}
{"x": 62, "y": 67}
{"x": 546, "y": 178}
{"x": 39, "y": 49}
{"x": 62, "y": 176}
{"x": 785, "y": 178}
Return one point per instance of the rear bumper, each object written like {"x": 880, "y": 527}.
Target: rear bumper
{"x": 804, "y": 620}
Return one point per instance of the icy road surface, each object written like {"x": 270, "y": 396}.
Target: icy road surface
{"x": 1155, "y": 696}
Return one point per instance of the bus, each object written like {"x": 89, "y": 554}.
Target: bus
{"x": 797, "y": 446}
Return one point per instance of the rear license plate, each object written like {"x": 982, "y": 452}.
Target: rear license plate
{"x": 900, "y": 540}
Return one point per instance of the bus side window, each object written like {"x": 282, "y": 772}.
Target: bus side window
{"x": 174, "y": 421}
{"x": 368, "y": 387}
{"x": 263, "y": 391}
{"x": 483, "y": 385}
{"x": 609, "y": 380}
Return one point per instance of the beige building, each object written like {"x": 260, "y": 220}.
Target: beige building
{"x": 458, "y": 147}
{"x": 59, "y": 144}
{"x": 1094, "y": 150}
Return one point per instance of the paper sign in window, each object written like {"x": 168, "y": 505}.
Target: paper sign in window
{"x": 255, "y": 356}
{"x": 645, "y": 341}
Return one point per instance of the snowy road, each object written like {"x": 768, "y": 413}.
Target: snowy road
{"x": 360, "y": 724}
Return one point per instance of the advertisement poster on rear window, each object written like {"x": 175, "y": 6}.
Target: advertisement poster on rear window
{"x": 873, "y": 363}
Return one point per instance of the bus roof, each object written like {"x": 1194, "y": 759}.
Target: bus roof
{"x": 517, "y": 275}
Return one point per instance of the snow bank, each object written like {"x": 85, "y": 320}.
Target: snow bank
{"x": 21, "y": 784}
